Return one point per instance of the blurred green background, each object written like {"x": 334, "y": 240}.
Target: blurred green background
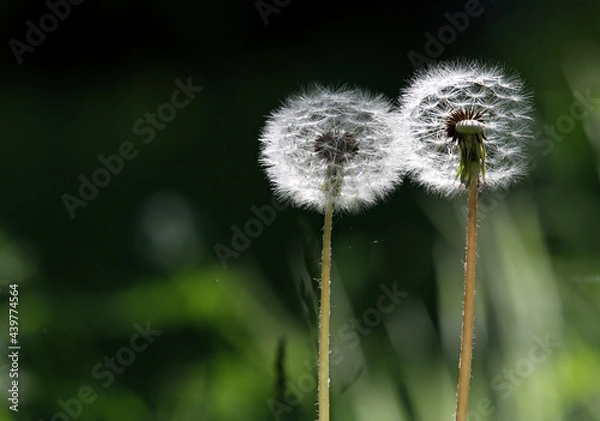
{"x": 236, "y": 341}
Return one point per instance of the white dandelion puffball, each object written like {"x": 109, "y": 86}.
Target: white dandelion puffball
{"x": 331, "y": 146}
{"x": 452, "y": 100}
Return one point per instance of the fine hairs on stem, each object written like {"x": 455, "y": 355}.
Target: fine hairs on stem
{"x": 331, "y": 150}
{"x": 324, "y": 318}
{"x": 466, "y": 345}
{"x": 466, "y": 130}
{"x": 467, "y": 124}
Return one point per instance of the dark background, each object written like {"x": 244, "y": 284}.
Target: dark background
{"x": 143, "y": 249}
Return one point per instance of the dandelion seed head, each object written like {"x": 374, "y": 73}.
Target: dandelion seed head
{"x": 451, "y": 100}
{"x": 327, "y": 145}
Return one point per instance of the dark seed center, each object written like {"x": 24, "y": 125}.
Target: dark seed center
{"x": 336, "y": 148}
{"x": 464, "y": 121}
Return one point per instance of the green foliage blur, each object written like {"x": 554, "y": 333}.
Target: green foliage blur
{"x": 129, "y": 307}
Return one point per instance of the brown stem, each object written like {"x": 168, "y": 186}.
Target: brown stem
{"x": 324, "y": 318}
{"x": 466, "y": 346}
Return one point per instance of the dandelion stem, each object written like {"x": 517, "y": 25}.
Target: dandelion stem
{"x": 324, "y": 318}
{"x": 466, "y": 347}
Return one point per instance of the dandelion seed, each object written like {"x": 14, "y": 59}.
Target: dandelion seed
{"x": 331, "y": 150}
{"x": 331, "y": 146}
{"x": 466, "y": 123}
{"x": 466, "y": 119}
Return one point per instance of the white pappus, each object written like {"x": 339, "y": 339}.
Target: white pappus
{"x": 327, "y": 146}
{"x": 465, "y": 99}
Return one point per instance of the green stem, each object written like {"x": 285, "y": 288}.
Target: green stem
{"x": 324, "y": 318}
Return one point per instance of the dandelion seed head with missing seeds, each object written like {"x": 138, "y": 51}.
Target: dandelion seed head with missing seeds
{"x": 328, "y": 145}
{"x": 454, "y": 100}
